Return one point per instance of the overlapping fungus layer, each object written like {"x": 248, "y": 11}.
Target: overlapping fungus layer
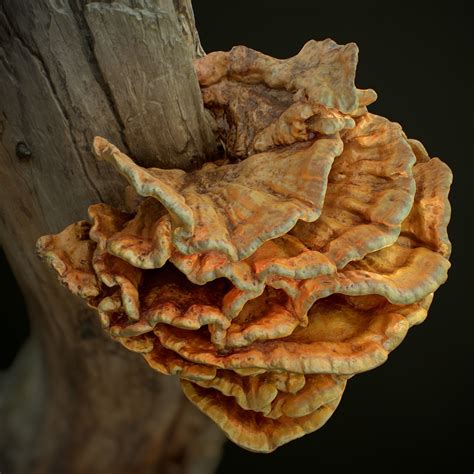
{"x": 266, "y": 282}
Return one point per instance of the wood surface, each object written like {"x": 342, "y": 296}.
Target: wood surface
{"x": 75, "y": 401}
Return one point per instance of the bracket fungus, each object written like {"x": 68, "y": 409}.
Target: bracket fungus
{"x": 267, "y": 279}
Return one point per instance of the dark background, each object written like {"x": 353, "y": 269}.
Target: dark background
{"x": 416, "y": 409}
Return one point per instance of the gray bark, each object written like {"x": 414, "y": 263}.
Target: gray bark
{"x": 75, "y": 401}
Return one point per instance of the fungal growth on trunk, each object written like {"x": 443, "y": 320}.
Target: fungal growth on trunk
{"x": 267, "y": 279}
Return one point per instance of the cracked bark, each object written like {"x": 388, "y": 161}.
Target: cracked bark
{"x": 74, "y": 401}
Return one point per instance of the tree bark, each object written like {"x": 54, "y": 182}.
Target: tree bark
{"x": 75, "y": 401}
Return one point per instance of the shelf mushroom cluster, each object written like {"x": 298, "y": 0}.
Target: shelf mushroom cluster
{"x": 267, "y": 279}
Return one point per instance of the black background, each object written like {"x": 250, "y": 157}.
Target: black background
{"x": 416, "y": 409}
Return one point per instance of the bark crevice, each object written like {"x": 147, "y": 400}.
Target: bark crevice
{"x": 88, "y": 44}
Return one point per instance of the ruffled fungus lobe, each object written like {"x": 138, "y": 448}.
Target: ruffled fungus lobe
{"x": 234, "y": 208}
{"x": 267, "y": 279}
{"x": 260, "y": 102}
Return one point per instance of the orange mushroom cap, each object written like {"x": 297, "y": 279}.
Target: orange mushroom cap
{"x": 266, "y": 283}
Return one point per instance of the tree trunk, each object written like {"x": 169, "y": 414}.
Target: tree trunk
{"x": 75, "y": 401}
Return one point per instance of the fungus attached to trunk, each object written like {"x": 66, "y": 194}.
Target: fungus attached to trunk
{"x": 267, "y": 279}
